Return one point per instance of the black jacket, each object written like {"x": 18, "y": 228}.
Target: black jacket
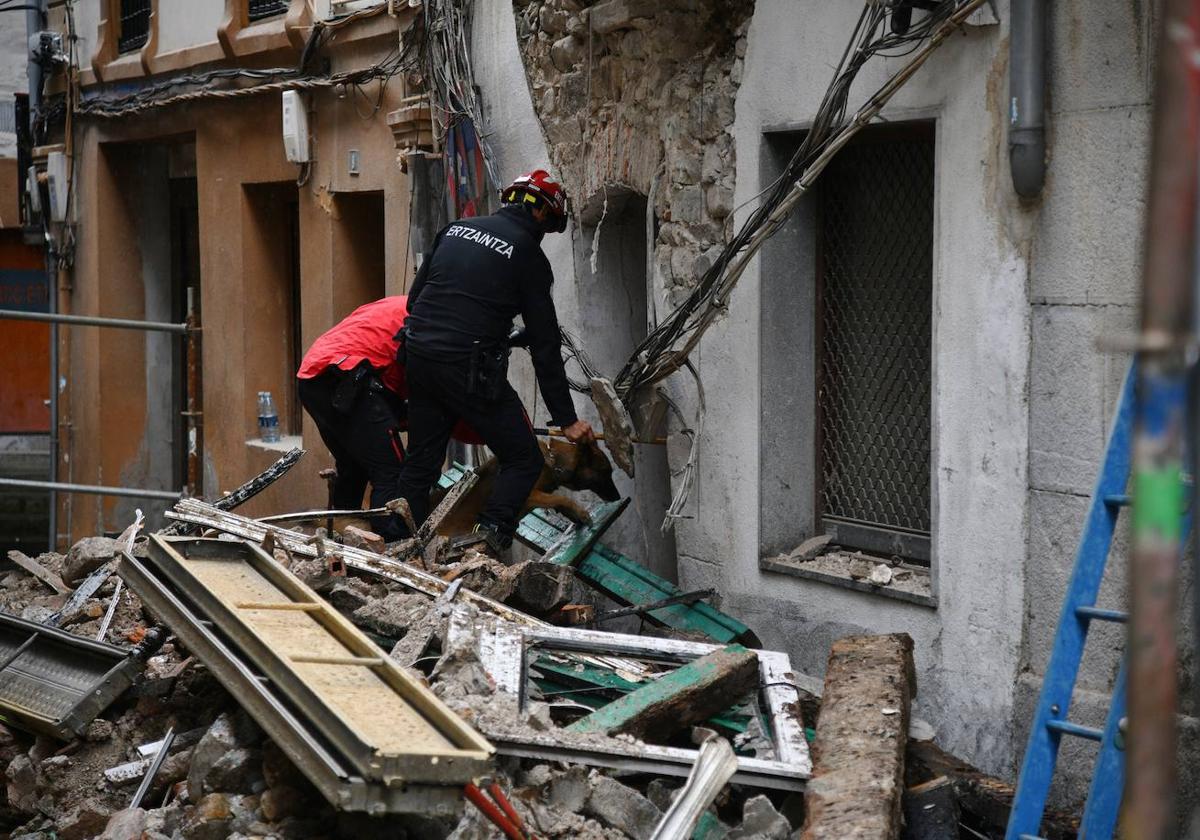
{"x": 479, "y": 275}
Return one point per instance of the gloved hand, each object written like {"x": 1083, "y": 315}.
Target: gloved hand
{"x": 518, "y": 337}
{"x": 580, "y": 432}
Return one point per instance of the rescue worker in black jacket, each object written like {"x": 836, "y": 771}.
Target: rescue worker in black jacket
{"x": 479, "y": 275}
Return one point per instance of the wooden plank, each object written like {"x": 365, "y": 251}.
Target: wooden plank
{"x": 858, "y": 757}
{"x": 247, "y": 491}
{"x": 680, "y": 698}
{"x": 624, "y": 580}
{"x": 39, "y": 571}
{"x": 577, "y": 541}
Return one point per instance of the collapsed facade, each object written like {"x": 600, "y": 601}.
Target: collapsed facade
{"x": 968, "y": 455}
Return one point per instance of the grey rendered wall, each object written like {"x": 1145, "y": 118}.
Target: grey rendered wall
{"x": 967, "y": 650}
{"x": 1084, "y": 289}
{"x": 518, "y": 146}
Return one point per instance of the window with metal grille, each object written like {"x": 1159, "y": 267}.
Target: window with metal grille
{"x": 135, "y": 25}
{"x": 874, "y": 314}
{"x": 259, "y": 9}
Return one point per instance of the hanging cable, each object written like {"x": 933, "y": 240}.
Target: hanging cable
{"x": 666, "y": 348}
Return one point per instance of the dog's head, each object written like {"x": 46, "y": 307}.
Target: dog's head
{"x": 581, "y": 467}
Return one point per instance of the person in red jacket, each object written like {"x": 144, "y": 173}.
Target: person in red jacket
{"x": 351, "y": 385}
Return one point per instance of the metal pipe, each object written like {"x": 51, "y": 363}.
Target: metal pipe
{"x": 193, "y": 413}
{"x": 93, "y": 489}
{"x": 1161, "y": 399}
{"x": 52, "y": 304}
{"x": 155, "y": 765}
{"x": 94, "y": 321}
{"x": 1027, "y": 97}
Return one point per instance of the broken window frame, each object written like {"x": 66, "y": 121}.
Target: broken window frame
{"x": 505, "y": 648}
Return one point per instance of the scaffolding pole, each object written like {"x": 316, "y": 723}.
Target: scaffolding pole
{"x": 94, "y": 321}
{"x": 91, "y": 489}
{"x": 193, "y": 413}
{"x": 1158, "y": 450}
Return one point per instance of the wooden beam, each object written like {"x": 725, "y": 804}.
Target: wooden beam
{"x": 39, "y": 571}
{"x": 984, "y": 800}
{"x": 689, "y": 694}
{"x": 858, "y": 765}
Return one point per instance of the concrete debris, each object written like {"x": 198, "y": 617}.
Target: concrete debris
{"x": 621, "y": 807}
{"x": 881, "y": 575}
{"x": 761, "y": 820}
{"x": 39, "y": 571}
{"x": 224, "y": 778}
{"x": 362, "y": 538}
{"x": 87, "y": 555}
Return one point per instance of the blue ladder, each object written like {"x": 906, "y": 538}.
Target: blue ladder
{"x": 1079, "y": 610}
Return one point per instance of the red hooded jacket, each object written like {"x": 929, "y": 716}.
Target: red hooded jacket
{"x": 369, "y": 333}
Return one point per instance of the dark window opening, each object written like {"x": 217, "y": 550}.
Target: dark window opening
{"x": 135, "y": 25}
{"x": 874, "y": 341}
{"x": 259, "y": 9}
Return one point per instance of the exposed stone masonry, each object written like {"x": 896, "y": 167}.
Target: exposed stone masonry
{"x": 638, "y": 96}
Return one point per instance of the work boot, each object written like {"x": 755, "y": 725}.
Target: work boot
{"x": 485, "y": 538}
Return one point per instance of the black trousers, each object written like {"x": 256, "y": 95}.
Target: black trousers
{"x": 362, "y": 433}
{"x": 437, "y": 400}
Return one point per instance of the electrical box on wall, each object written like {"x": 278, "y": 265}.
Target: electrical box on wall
{"x": 58, "y": 185}
{"x": 295, "y": 128}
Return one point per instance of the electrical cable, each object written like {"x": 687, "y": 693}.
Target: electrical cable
{"x": 668, "y": 346}
{"x": 204, "y": 86}
{"x": 665, "y": 348}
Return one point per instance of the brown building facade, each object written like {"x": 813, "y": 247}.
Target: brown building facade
{"x": 193, "y": 207}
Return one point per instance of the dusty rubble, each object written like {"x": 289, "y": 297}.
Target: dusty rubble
{"x": 223, "y": 778}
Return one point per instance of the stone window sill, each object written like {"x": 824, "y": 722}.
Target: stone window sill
{"x": 285, "y": 443}
{"x": 834, "y": 569}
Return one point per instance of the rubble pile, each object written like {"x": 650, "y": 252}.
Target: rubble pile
{"x": 575, "y": 731}
{"x": 224, "y": 778}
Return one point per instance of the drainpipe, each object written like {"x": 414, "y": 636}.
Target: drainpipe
{"x": 1027, "y": 97}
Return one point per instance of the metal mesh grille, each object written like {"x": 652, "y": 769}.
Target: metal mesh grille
{"x": 260, "y": 9}
{"x": 135, "y": 25}
{"x": 876, "y": 251}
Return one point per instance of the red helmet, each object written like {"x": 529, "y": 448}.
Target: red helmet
{"x": 537, "y": 187}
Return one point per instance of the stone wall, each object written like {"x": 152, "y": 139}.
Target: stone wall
{"x": 639, "y": 95}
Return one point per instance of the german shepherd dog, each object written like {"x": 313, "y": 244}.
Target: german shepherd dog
{"x": 567, "y": 465}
